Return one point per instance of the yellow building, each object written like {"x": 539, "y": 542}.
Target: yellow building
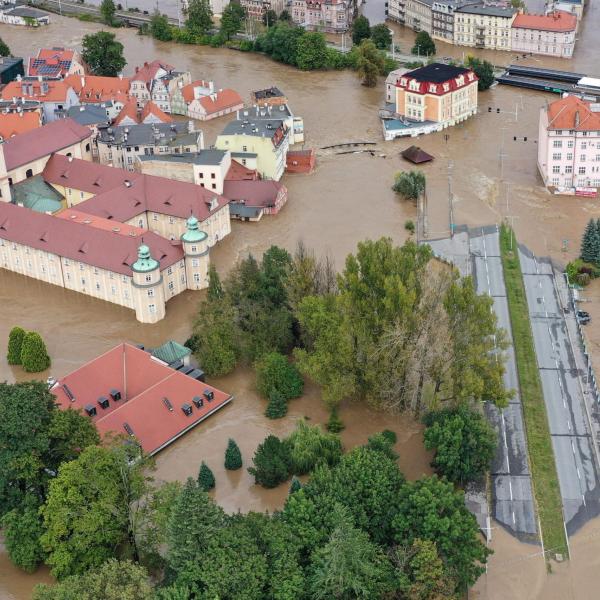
{"x": 484, "y": 26}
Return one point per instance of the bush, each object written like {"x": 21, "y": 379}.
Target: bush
{"x": 34, "y": 356}
{"x": 246, "y": 46}
{"x": 389, "y": 65}
{"x": 233, "y": 456}
{"x": 206, "y": 479}
{"x": 415, "y": 64}
{"x": 271, "y": 462}
{"x": 309, "y": 446}
{"x": 409, "y": 226}
{"x": 216, "y": 41}
{"x": 295, "y": 485}
{"x": 383, "y": 442}
{"x": 277, "y": 407}
{"x": 335, "y": 424}
{"x": 15, "y": 344}
{"x": 274, "y": 373}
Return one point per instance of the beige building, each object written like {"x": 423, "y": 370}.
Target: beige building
{"x": 418, "y": 15}
{"x": 487, "y": 27}
{"x": 552, "y": 34}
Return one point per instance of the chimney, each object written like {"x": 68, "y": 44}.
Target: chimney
{"x": 40, "y": 78}
{"x": 82, "y": 81}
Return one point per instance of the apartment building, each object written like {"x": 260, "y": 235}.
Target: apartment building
{"x": 56, "y": 63}
{"x": 552, "y": 34}
{"x": 331, "y": 16}
{"x": 481, "y": 26}
{"x": 203, "y": 102}
{"x": 397, "y": 11}
{"x": 157, "y": 81}
{"x": 442, "y": 19}
{"x": 256, "y": 9}
{"x": 418, "y": 15}
{"x": 569, "y": 145}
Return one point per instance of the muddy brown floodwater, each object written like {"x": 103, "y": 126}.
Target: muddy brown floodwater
{"x": 347, "y": 199}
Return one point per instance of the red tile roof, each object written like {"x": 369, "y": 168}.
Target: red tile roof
{"x": 144, "y": 383}
{"x": 33, "y": 90}
{"x": 254, "y": 193}
{"x": 51, "y": 62}
{"x": 221, "y": 100}
{"x": 84, "y": 175}
{"x": 76, "y": 216}
{"x": 238, "y": 172}
{"x": 572, "y": 113}
{"x": 148, "y": 71}
{"x": 187, "y": 91}
{"x": 94, "y": 88}
{"x": 559, "y": 21}
{"x": 152, "y": 109}
{"x": 12, "y": 124}
{"x": 80, "y": 242}
{"x": 53, "y": 137}
{"x": 129, "y": 110}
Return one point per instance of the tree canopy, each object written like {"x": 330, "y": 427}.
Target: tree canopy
{"x": 370, "y": 63}
{"x": 424, "y": 45}
{"x": 361, "y": 29}
{"x": 4, "y": 49}
{"x": 381, "y": 36}
{"x": 199, "y": 16}
{"x": 108, "y": 10}
{"x": 103, "y": 54}
{"x": 484, "y": 71}
{"x": 160, "y": 28}
{"x": 410, "y": 184}
{"x": 232, "y": 19}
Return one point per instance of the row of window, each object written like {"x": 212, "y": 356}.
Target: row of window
{"x": 568, "y": 169}
{"x": 581, "y": 157}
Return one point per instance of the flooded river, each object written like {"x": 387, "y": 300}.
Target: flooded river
{"x": 347, "y": 199}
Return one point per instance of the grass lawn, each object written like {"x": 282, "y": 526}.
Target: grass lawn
{"x": 541, "y": 456}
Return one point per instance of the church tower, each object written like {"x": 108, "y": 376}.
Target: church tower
{"x": 195, "y": 248}
{"x": 148, "y": 288}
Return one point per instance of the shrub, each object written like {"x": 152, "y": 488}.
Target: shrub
{"x": 295, "y": 485}
{"x": 246, "y": 46}
{"x": 274, "y": 373}
{"x": 271, "y": 462}
{"x": 310, "y": 446}
{"x": 409, "y": 226}
{"x": 277, "y": 407}
{"x": 217, "y": 41}
{"x": 15, "y": 343}
{"x": 335, "y": 424}
{"x": 206, "y": 479}
{"x": 34, "y": 356}
{"x": 383, "y": 442}
{"x": 233, "y": 456}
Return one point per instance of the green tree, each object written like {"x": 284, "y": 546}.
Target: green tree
{"x": 431, "y": 510}
{"x": 310, "y": 446}
{"x": 103, "y": 54}
{"x": 384, "y": 442}
{"x": 274, "y": 373}
{"x": 277, "y": 407}
{"x": 34, "y": 356}
{"x": 370, "y": 63}
{"x": 484, "y": 71}
{"x": 199, "y": 17}
{"x": 15, "y": 344}
{"x": 271, "y": 462}
{"x": 113, "y": 580}
{"x": 193, "y": 521}
{"x": 424, "y": 45}
{"x": 108, "y": 10}
{"x": 381, "y": 36}
{"x": 206, "y": 479}
{"x": 285, "y": 16}
{"x": 361, "y": 30}
{"x": 281, "y": 42}
{"x": 232, "y": 19}
{"x": 295, "y": 485}
{"x": 22, "y": 530}
{"x": 160, "y": 28}
{"x": 311, "y": 52}
{"x": 4, "y": 49}
{"x": 463, "y": 441}
{"x": 518, "y": 4}
{"x": 410, "y": 184}
{"x": 215, "y": 288}
{"x": 233, "y": 456}
{"x": 349, "y": 565}
{"x": 590, "y": 243}
{"x": 269, "y": 18}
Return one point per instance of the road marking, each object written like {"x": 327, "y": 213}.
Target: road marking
{"x": 578, "y": 473}
{"x": 583, "y": 497}
{"x": 569, "y": 424}
{"x": 514, "y": 520}
{"x": 510, "y": 488}
{"x": 572, "y": 447}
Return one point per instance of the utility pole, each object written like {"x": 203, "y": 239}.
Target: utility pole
{"x": 502, "y": 155}
{"x": 450, "y": 199}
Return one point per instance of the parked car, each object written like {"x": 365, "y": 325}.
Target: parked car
{"x": 583, "y": 314}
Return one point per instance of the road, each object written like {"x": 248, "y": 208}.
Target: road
{"x": 512, "y": 496}
{"x": 570, "y": 427}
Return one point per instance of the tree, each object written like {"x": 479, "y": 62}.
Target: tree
{"x": 370, "y": 63}
{"x": 295, "y": 485}
{"x": 277, "y": 406}
{"x": 431, "y": 510}
{"x": 285, "y": 16}
{"x": 280, "y": 42}
{"x": 381, "y": 36}
{"x": 4, "y": 49}
{"x": 309, "y": 446}
{"x": 424, "y": 45}
{"x": 113, "y": 580}
{"x": 199, "y": 17}
{"x": 107, "y": 10}
{"x": 350, "y": 566}
{"x": 590, "y": 243}
{"x": 34, "y": 356}
{"x": 160, "y": 28}
{"x": 463, "y": 441}
{"x": 311, "y": 52}
{"x": 15, "y": 344}
{"x": 384, "y": 442}
{"x": 410, "y": 184}
{"x": 215, "y": 288}
{"x": 484, "y": 71}
{"x": 518, "y": 4}
{"x": 361, "y": 30}
{"x": 206, "y": 479}
{"x": 233, "y": 456}
{"x": 232, "y": 19}
{"x": 103, "y": 54}
{"x": 269, "y": 18}
{"x": 193, "y": 521}
{"x": 274, "y": 373}
{"x": 271, "y": 462}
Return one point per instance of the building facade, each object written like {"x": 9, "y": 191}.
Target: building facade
{"x": 487, "y": 27}
{"x": 552, "y": 34}
{"x": 331, "y": 16}
{"x": 203, "y": 102}
{"x": 569, "y": 145}
{"x": 256, "y": 9}
{"x": 418, "y": 15}
{"x": 397, "y": 11}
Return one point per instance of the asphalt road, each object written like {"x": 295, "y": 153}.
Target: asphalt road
{"x": 563, "y": 395}
{"x": 512, "y": 495}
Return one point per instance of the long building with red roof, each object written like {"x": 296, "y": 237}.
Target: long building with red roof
{"x": 552, "y": 34}
{"x": 55, "y": 62}
{"x": 127, "y": 391}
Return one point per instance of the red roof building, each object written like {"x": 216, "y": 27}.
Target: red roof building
{"x": 41, "y": 91}
{"x": 552, "y": 34}
{"x": 127, "y": 391}
{"x": 205, "y": 103}
{"x": 55, "y": 62}
{"x": 94, "y": 88}
{"x": 558, "y": 21}
{"x": 12, "y": 124}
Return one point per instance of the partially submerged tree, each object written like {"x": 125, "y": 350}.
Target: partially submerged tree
{"x": 206, "y": 479}
{"x": 103, "y": 54}
{"x": 34, "y": 356}
{"x": 370, "y": 63}
{"x": 233, "y": 456}
{"x": 15, "y": 344}
{"x": 410, "y": 184}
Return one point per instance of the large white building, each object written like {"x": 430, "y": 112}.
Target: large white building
{"x": 552, "y": 34}
{"x": 483, "y": 26}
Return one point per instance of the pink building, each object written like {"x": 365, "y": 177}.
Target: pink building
{"x": 552, "y": 34}
{"x": 569, "y": 145}
{"x": 333, "y": 16}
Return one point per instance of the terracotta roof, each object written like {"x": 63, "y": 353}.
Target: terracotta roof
{"x": 51, "y": 62}
{"x": 238, "y": 171}
{"x": 129, "y": 110}
{"x": 76, "y": 216}
{"x": 572, "y": 113}
{"x": 148, "y": 71}
{"x": 80, "y": 242}
{"x": 46, "y": 140}
{"x": 154, "y": 194}
{"x": 12, "y": 124}
{"x": 42, "y": 91}
{"x": 152, "y": 109}
{"x": 254, "y": 193}
{"x": 187, "y": 91}
{"x": 221, "y": 100}
{"x": 84, "y": 175}
{"x": 152, "y": 396}
{"x": 557, "y": 21}
{"x": 94, "y": 88}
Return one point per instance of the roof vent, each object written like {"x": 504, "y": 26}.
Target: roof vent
{"x": 115, "y": 394}
{"x": 90, "y": 409}
{"x": 187, "y": 409}
{"x": 198, "y": 402}
{"x": 168, "y": 404}
{"x": 68, "y": 392}
{"x": 127, "y": 183}
{"x": 103, "y": 402}
{"x": 209, "y": 394}
{"x": 127, "y": 428}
